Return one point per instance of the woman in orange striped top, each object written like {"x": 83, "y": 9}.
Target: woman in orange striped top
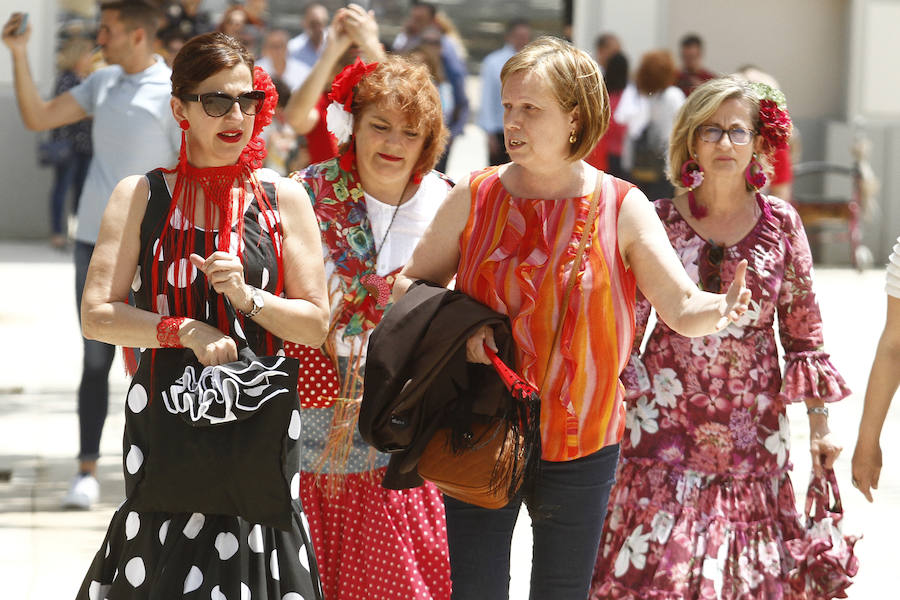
{"x": 510, "y": 235}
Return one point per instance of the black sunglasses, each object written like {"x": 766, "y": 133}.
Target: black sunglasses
{"x": 710, "y": 268}
{"x": 217, "y": 104}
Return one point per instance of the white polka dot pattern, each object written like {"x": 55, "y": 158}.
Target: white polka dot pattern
{"x": 163, "y": 532}
{"x": 194, "y": 525}
{"x": 193, "y": 580}
{"x": 132, "y": 525}
{"x": 185, "y": 272}
{"x": 137, "y": 398}
{"x": 295, "y": 486}
{"x": 255, "y": 539}
{"x": 134, "y": 571}
{"x": 134, "y": 459}
{"x": 294, "y": 427}
{"x": 226, "y": 545}
{"x": 273, "y": 565}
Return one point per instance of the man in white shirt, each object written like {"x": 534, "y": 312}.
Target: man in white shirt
{"x": 307, "y": 47}
{"x": 490, "y": 117}
{"x": 133, "y": 132}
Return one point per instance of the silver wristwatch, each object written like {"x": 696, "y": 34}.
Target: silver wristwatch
{"x": 258, "y": 303}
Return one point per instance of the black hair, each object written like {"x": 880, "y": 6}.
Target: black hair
{"x": 691, "y": 39}
{"x": 616, "y": 75}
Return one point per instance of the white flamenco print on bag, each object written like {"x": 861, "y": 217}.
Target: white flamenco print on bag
{"x": 224, "y": 393}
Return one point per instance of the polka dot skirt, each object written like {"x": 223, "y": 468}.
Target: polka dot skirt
{"x": 372, "y": 543}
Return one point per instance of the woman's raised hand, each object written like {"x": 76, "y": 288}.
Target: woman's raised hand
{"x": 360, "y": 25}
{"x": 737, "y": 299}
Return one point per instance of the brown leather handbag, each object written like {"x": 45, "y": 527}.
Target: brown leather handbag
{"x": 489, "y": 463}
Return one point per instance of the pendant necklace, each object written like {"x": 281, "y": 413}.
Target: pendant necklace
{"x": 376, "y": 285}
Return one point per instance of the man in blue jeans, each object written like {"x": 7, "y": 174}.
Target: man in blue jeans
{"x": 133, "y": 132}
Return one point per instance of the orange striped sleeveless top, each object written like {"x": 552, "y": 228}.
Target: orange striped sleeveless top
{"x": 515, "y": 257}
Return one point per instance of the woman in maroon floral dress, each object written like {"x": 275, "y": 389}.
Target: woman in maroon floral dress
{"x": 703, "y": 503}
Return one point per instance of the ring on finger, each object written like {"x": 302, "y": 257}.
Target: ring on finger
{"x": 855, "y": 483}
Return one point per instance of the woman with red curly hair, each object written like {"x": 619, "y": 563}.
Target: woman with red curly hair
{"x": 214, "y": 235}
{"x": 703, "y": 505}
{"x": 373, "y": 202}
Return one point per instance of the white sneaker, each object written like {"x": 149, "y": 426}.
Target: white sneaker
{"x": 84, "y": 491}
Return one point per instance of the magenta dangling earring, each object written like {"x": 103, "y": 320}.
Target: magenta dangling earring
{"x": 754, "y": 174}
{"x": 691, "y": 178}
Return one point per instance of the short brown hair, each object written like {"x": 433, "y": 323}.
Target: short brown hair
{"x": 575, "y": 81}
{"x": 703, "y": 102}
{"x": 656, "y": 72}
{"x": 137, "y": 14}
{"x": 203, "y": 56}
{"x": 406, "y": 86}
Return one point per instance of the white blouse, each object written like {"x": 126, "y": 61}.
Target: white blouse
{"x": 409, "y": 223}
{"x": 892, "y": 286}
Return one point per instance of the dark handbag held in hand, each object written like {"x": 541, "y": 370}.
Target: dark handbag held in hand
{"x": 223, "y": 439}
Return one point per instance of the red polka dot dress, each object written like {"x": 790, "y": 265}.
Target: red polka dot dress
{"x": 371, "y": 543}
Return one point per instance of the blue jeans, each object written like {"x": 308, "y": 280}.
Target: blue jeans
{"x": 93, "y": 393}
{"x": 566, "y": 523}
{"x": 67, "y": 176}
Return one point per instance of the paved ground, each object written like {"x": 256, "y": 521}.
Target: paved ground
{"x": 44, "y": 551}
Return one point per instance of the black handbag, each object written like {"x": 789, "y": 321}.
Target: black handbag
{"x": 55, "y": 152}
{"x": 223, "y": 439}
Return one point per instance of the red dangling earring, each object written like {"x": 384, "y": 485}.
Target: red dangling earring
{"x": 691, "y": 178}
{"x": 416, "y": 178}
{"x": 184, "y": 124}
{"x": 754, "y": 174}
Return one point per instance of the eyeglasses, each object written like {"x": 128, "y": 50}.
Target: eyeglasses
{"x": 738, "y": 135}
{"x": 710, "y": 268}
{"x": 217, "y": 104}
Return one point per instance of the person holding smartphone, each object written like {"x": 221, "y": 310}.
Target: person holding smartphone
{"x": 132, "y": 132}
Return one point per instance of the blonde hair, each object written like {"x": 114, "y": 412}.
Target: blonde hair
{"x": 71, "y": 52}
{"x": 575, "y": 82}
{"x": 702, "y": 104}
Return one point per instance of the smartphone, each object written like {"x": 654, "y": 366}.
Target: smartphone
{"x": 23, "y": 23}
{"x": 365, "y": 4}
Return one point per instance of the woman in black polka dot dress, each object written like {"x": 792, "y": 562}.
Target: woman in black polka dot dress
{"x": 163, "y": 236}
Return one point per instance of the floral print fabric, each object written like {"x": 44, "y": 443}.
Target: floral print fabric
{"x": 703, "y": 503}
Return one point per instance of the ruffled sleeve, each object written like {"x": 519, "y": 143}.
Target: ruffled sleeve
{"x": 808, "y": 369}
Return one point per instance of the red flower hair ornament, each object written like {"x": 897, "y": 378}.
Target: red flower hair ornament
{"x": 255, "y": 151}
{"x": 338, "y": 115}
{"x": 775, "y": 122}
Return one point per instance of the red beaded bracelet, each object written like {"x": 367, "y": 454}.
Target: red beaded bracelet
{"x": 167, "y": 332}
